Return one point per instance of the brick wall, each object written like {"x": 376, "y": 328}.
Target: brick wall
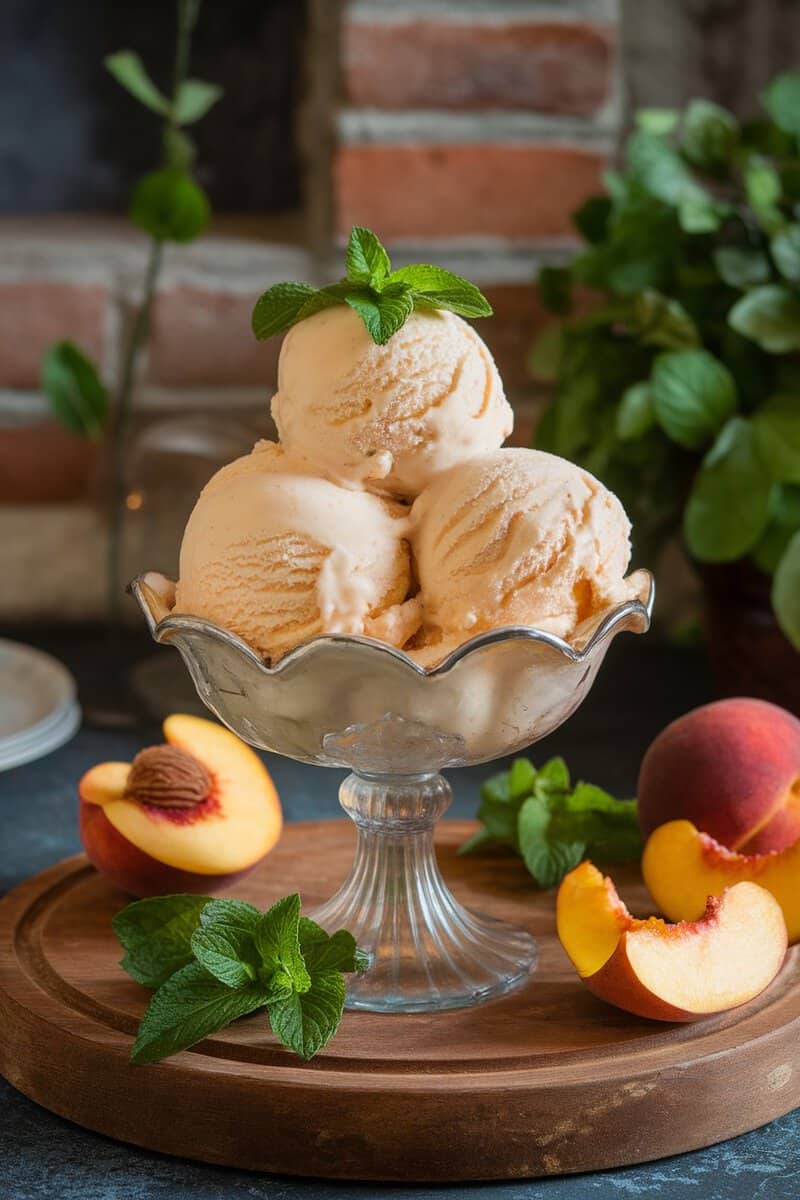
{"x": 468, "y": 131}
{"x": 462, "y": 131}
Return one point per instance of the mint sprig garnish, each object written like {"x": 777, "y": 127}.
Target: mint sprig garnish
{"x": 551, "y": 824}
{"x": 213, "y": 961}
{"x": 383, "y": 298}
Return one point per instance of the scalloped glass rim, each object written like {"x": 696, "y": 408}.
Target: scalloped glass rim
{"x": 162, "y": 628}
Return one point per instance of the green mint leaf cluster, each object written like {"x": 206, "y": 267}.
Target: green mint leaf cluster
{"x": 551, "y": 823}
{"x": 682, "y": 390}
{"x": 213, "y": 961}
{"x": 384, "y": 299}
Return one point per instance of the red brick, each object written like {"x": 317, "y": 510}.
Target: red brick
{"x": 518, "y": 318}
{"x": 41, "y": 463}
{"x": 461, "y": 190}
{"x": 551, "y": 68}
{"x": 203, "y": 337}
{"x": 35, "y": 313}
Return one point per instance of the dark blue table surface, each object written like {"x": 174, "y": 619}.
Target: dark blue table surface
{"x": 45, "y": 1158}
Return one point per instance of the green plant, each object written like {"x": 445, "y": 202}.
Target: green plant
{"x": 551, "y": 823}
{"x": 169, "y": 206}
{"x": 682, "y": 390}
{"x": 213, "y": 961}
{"x": 384, "y": 299}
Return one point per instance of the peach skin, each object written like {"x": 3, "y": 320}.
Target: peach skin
{"x": 670, "y": 972}
{"x": 733, "y": 769}
{"x": 193, "y": 815}
{"x": 681, "y": 866}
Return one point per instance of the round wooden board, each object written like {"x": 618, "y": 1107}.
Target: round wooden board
{"x": 545, "y": 1080}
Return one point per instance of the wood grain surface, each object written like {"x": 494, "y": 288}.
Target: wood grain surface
{"x": 543, "y": 1081}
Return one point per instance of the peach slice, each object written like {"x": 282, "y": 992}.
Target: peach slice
{"x": 681, "y": 866}
{"x": 670, "y": 972}
{"x": 193, "y": 815}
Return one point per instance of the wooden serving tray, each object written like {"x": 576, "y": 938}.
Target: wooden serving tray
{"x": 545, "y": 1080}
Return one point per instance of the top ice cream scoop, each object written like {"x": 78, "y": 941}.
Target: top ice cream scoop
{"x": 388, "y": 417}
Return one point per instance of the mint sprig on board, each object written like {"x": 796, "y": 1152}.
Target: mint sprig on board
{"x": 383, "y": 298}
{"x": 552, "y": 824}
{"x": 213, "y": 961}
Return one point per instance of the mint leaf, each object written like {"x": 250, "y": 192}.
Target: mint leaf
{"x": 786, "y": 592}
{"x": 658, "y": 121}
{"x": 224, "y": 943}
{"x": 659, "y": 321}
{"x": 195, "y": 98}
{"x": 74, "y": 388}
{"x": 728, "y": 508}
{"x": 366, "y": 261}
{"x": 785, "y": 247}
{"x": 762, "y": 185}
{"x": 693, "y": 395}
{"x": 521, "y": 778}
{"x": 128, "y": 69}
{"x": 592, "y": 218}
{"x": 327, "y": 297}
{"x": 170, "y": 206}
{"x": 741, "y": 266}
{"x": 157, "y": 936}
{"x": 553, "y": 776}
{"x": 434, "y": 287}
{"x": 385, "y": 313}
{"x": 306, "y": 1022}
{"x": 279, "y": 307}
{"x": 328, "y": 952}
{"x": 188, "y": 1007}
{"x": 769, "y": 316}
{"x": 477, "y": 841}
{"x": 777, "y": 434}
{"x": 781, "y": 99}
{"x": 277, "y": 940}
{"x": 710, "y": 134}
{"x": 548, "y": 859}
{"x": 784, "y": 523}
{"x": 636, "y": 412}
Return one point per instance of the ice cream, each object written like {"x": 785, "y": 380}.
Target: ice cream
{"x": 277, "y": 556}
{"x": 388, "y": 417}
{"x": 516, "y": 537}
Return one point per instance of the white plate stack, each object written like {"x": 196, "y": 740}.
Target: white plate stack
{"x": 39, "y": 710}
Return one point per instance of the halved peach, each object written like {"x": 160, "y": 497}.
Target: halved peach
{"x": 194, "y": 815}
{"x": 681, "y": 866}
{"x": 670, "y": 972}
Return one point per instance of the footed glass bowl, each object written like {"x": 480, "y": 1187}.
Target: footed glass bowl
{"x": 345, "y": 701}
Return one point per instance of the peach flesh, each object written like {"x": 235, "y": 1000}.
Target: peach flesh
{"x": 150, "y": 850}
{"x": 681, "y": 866}
{"x": 732, "y": 768}
{"x": 670, "y": 972}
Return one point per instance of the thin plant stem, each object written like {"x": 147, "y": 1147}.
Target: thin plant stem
{"x": 187, "y": 17}
{"x": 122, "y": 424}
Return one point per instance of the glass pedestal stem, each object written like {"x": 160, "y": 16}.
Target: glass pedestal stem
{"x": 427, "y": 951}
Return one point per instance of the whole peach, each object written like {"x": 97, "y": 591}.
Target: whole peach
{"x": 732, "y": 768}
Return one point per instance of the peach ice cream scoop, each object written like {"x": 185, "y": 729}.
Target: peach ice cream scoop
{"x": 277, "y": 556}
{"x": 517, "y": 537}
{"x": 388, "y": 417}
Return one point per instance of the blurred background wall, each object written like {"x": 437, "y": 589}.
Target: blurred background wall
{"x": 463, "y": 131}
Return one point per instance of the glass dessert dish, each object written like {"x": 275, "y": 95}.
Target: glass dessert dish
{"x": 347, "y": 701}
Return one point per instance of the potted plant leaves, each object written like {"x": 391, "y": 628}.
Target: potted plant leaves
{"x": 680, "y": 389}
